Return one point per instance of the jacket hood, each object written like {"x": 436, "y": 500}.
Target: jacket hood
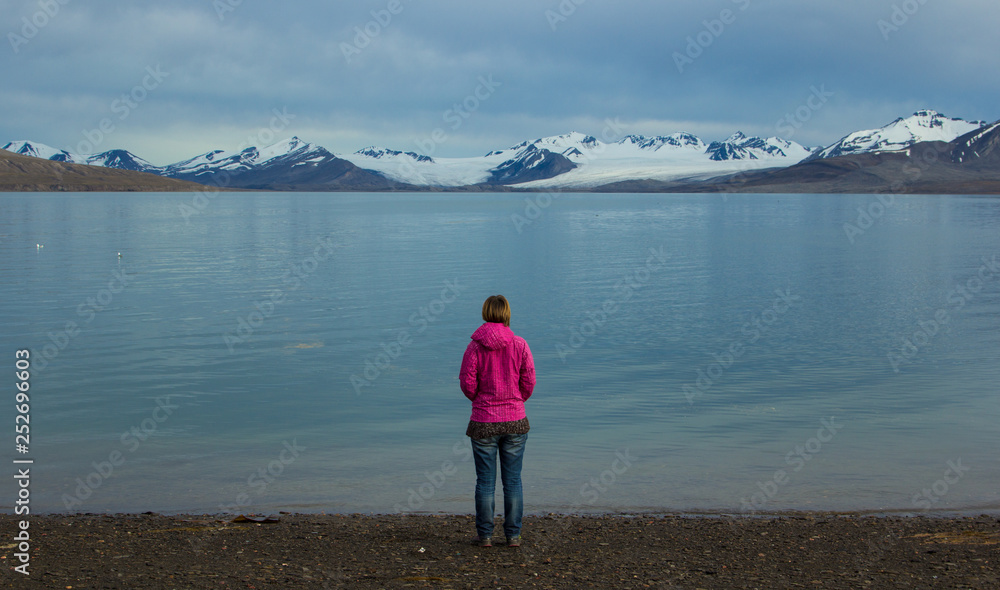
{"x": 493, "y": 336}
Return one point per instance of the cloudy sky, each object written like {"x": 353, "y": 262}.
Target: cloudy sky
{"x": 169, "y": 80}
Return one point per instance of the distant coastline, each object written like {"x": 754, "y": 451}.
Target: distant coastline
{"x": 969, "y": 164}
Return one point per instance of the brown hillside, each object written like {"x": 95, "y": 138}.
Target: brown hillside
{"x": 23, "y": 173}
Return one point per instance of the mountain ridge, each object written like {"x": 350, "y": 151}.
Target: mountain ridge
{"x": 969, "y": 164}
{"x": 572, "y": 160}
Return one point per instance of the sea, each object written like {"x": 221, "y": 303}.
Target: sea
{"x": 242, "y": 353}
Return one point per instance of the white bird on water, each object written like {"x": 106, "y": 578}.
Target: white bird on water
{"x": 38, "y": 246}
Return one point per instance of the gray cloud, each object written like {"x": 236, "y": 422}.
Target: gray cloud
{"x": 594, "y": 60}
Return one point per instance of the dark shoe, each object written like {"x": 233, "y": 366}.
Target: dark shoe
{"x": 514, "y": 541}
{"x": 485, "y": 542}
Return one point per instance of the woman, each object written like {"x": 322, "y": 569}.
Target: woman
{"x": 498, "y": 375}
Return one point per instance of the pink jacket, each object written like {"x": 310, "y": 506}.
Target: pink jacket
{"x": 498, "y": 374}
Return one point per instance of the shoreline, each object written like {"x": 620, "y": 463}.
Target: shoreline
{"x": 625, "y": 550}
{"x": 935, "y": 191}
{"x": 263, "y": 510}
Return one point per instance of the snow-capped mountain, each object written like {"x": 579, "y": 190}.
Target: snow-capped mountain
{"x": 290, "y": 152}
{"x": 531, "y": 164}
{"x": 926, "y": 125}
{"x": 924, "y": 167}
{"x": 741, "y": 147}
{"x": 671, "y": 157}
{"x": 529, "y": 160}
{"x": 571, "y": 160}
{"x": 40, "y": 150}
{"x": 382, "y": 153}
{"x": 121, "y": 159}
{"x": 214, "y": 160}
{"x": 287, "y": 165}
{"x": 580, "y": 160}
{"x": 677, "y": 140}
{"x": 574, "y": 144}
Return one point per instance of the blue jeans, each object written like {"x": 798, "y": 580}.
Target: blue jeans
{"x": 511, "y": 450}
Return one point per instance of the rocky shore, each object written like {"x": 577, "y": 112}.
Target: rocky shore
{"x": 427, "y": 551}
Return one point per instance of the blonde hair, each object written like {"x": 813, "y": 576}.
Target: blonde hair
{"x": 496, "y": 309}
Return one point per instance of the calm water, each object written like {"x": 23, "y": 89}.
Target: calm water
{"x": 693, "y": 352}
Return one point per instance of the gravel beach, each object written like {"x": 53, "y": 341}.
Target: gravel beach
{"x": 430, "y": 551}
